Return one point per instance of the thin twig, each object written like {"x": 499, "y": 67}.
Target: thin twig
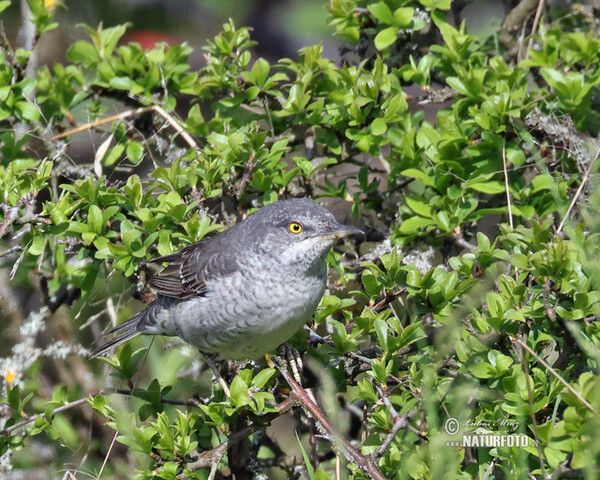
{"x": 167, "y": 401}
{"x": 532, "y": 415}
{"x": 549, "y": 310}
{"x": 536, "y": 23}
{"x": 68, "y": 406}
{"x": 553, "y": 372}
{"x": 504, "y": 167}
{"x": 211, "y": 458}
{"x": 584, "y": 180}
{"x": 178, "y": 128}
{"x": 460, "y": 239}
{"x": 352, "y": 454}
{"x": 102, "y": 121}
{"x": 129, "y": 113}
{"x": 16, "y": 248}
{"x": 385, "y": 301}
{"x": 112, "y": 444}
{"x": 400, "y": 422}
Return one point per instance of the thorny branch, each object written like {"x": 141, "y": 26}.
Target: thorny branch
{"x": 367, "y": 465}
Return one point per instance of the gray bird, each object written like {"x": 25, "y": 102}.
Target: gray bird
{"x": 243, "y": 292}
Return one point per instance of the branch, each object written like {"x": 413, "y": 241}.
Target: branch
{"x": 534, "y": 28}
{"x": 400, "y": 422}
{"x": 460, "y": 240}
{"x": 560, "y": 379}
{"x": 504, "y": 168}
{"x": 211, "y": 458}
{"x": 7, "y": 431}
{"x": 67, "y": 406}
{"x": 13, "y": 215}
{"x": 584, "y": 180}
{"x": 101, "y": 121}
{"x": 177, "y": 127}
{"x": 16, "y": 248}
{"x": 385, "y": 301}
{"x": 347, "y": 449}
{"x": 532, "y": 415}
{"x": 514, "y": 22}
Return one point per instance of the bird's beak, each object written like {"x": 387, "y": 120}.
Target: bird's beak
{"x": 342, "y": 231}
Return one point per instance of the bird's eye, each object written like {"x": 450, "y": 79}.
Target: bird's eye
{"x": 295, "y": 227}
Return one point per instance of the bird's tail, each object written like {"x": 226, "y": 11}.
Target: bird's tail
{"x": 123, "y": 332}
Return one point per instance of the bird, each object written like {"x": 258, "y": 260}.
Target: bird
{"x": 240, "y": 294}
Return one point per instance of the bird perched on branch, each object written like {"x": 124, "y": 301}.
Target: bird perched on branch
{"x": 243, "y": 292}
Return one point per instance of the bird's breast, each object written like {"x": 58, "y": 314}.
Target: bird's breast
{"x": 251, "y": 312}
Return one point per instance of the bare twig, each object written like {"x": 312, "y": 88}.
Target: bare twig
{"x": 211, "y": 458}
{"x": 484, "y": 338}
{"x": 532, "y": 415}
{"x": 385, "y": 301}
{"x": 460, "y": 239}
{"x": 16, "y": 248}
{"x": 504, "y": 167}
{"x": 112, "y": 444}
{"x": 513, "y": 22}
{"x": 436, "y": 95}
{"x": 177, "y": 127}
{"x": 550, "y": 312}
{"x": 102, "y": 121}
{"x": 584, "y": 180}
{"x": 347, "y": 449}
{"x": 7, "y": 431}
{"x": 68, "y": 406}
{"x": 536, "y": 23}
{"x": 167, "y": 401}
{"x": 402, "y": 422}
{"x": 560, "y": 379}
{"x": 130, "y": 113}
{"x": 561, "y": 131}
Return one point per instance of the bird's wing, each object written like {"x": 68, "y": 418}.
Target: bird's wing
{"x": 188, "y": 271}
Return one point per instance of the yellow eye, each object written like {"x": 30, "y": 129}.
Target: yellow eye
{"x": 295, "y": 227}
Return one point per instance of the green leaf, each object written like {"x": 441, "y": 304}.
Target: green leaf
{"x": 415, "y": 223}
{"x": 239, "y": 391}
{"x": 403, "y": 16}
{"x": 134, "y": 152}
{"x": 260, "y": 71}
{"x": 262, "y": 377}
{"x": 37, "y": 245}
{"x": 378, "y": 127}
{"x": 95, "y": 219}
{"x": 27, "y": 111}
{"x": 309, "y": 468}
{"x": 385, "y": 38}
{"x": 490, "y": 186}
{"x": 83, "y": 53}
{"x": 381, "y": 329}
{"x": 482, "y": 370}
{"x": 381, "y": 12}
{"x": 419, "y": 175}
{"x": 418, "y": 205}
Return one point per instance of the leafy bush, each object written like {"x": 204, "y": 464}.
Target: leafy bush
{"x": 430, "y": 322}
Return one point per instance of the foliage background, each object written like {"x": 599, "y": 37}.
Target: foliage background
{"x": 468, "y": 155}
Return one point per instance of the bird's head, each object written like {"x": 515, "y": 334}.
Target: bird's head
{"x": 297, "y": 230}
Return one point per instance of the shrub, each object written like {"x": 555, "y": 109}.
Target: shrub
{"x": 430, "y": 328}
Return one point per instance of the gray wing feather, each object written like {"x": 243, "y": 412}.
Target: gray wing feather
{"x": 189, "y": 270}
